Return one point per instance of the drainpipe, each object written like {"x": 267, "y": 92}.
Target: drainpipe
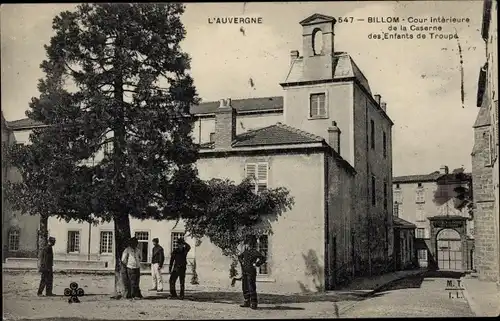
{"x": 90, "y": 233}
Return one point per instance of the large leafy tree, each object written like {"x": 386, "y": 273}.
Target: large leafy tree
{"x": 457, "y": 187}
{"x": 115, "y": 76}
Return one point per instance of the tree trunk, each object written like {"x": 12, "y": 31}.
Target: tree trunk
{"x": 43, "y": 235}
{"x": 122, "y": 235}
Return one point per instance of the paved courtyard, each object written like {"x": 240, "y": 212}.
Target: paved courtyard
{"x": 412, "y": 297}
{"x": 415, "y": 296}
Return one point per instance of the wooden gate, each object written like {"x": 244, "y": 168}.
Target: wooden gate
{"x": 449, "y": 250}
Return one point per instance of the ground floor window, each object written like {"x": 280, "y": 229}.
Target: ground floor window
{"x": 106, "y": 242}
{"x": 174, "y": 241}
{"x": 143, "y": 239}
{"x": 73, "y": 242}
{"x": 263, "y": 247}
{"x": 14, "y": 240}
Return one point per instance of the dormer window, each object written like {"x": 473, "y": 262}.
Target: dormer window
{"x": 317, "y": 42}
{"x": 317, "y": 106}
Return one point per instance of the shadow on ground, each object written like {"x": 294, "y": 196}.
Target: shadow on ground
{"x": 265, "y": 298}
{"x": 416, "y": 281}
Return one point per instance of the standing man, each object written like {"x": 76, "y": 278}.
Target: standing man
{"x": 45, "y": 266}
{"x": 131, "y": 259}
{"x": 250, "y": 260}
{"x": 177, "y": 267}
{"x": 157, "y": 260}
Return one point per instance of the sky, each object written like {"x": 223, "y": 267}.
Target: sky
{"x": 420, "y": 79}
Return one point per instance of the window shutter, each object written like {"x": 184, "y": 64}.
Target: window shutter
{"x": 251, "y": 170}
{"x": 261, "y": 176}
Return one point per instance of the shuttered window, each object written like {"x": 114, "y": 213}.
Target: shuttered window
{"x": 258, "y": 172}
{"x": 317, "y": 105}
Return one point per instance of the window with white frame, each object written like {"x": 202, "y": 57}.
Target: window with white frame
{"x": 106, "y": 242}
{"x": 420, "y": 233}
{"x": 143, "y": 240}
{"x": 73, "y": 241}
{"x": 259, "y": 173}
{"x": 422, "y": 255}
{"x": 395, "y": 210}
{"x": 175, "y": 239}
{"x": 317, "y": 105}
{"x": 420, "y": 196}
{"x": 263, "y": 248}
{"x": 14, "y": 240}
{"x": 420, "y": 212}
{"x": 398, "y": 196}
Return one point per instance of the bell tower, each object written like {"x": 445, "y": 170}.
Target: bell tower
{"x": 318, "y": 47}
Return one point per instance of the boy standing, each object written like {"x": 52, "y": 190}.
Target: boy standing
{"x": 177, "y": 267}
{"x": 250, "y": 260}
{"x": 45, "y": 266}
{"x": 157, "y": 260}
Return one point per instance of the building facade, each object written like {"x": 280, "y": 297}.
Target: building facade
{"x": 19, "y": 232}
{"x": 430, "y": 202}
{"x": 328, "y": 139}
{"x": 485, "y": 166}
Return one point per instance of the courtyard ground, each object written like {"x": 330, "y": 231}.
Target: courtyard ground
{"x": 201, "y": 302}
{"x": 398, "y": 294}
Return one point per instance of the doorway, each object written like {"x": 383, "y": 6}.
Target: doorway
{"x": 449, "y": 250}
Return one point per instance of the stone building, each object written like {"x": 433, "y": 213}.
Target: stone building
{"x": 485, "y": 154}
{"x": 19, "y": 232}
{"x": 444, "y": 235}
{"x": 328, "y": 139}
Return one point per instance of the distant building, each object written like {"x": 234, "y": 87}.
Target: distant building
{"x": 485, "y": 166}
{"x": 444, "y": 234}
{"x": 404, "y": 244}
{"x": 328, "y": 140}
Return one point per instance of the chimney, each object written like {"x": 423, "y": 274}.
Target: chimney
{"x": 225, "y": 124}
{"x": 377, "y": 98}
{"x": 334, "y": 137}
{"x": 443, "y": 170}
{"x": 294, "y": 54}
{"x": 383, "y": 106}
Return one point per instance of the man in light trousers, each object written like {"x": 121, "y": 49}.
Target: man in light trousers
{"x": 157, "y": 260}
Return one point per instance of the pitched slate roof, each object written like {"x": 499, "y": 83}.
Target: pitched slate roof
{"x": 343, "y": 67}
{"x": 241, "y": 105}
{"x": 277, "y": 134}
{"x": 24, "y": 123}
{"x": 417, "y": 178}
{"x": 432, "y": 177}
{"x": 399, "y": 222}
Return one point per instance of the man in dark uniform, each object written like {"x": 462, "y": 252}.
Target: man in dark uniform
{"x": 250, "y": 260}
{"x": 45, "y": 266}
{"x": 177, "y": 266}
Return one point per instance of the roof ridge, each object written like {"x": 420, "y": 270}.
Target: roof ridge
{"x": 239, "y": 99}
{"x": 299, "y": 131}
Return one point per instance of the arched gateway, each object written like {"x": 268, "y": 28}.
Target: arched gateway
{"x": 448, "y": 248}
